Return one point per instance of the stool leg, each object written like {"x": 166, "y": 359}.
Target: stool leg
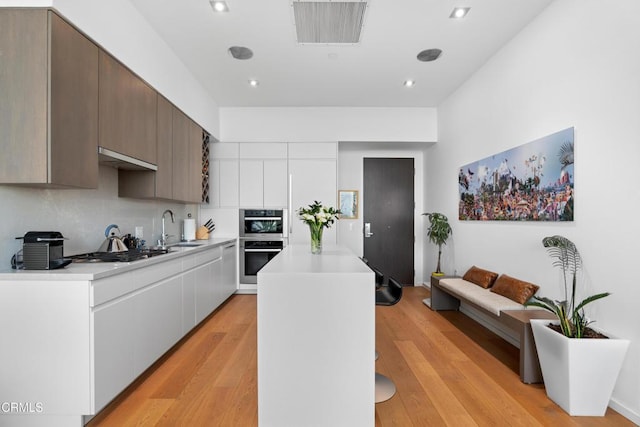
{"x": 385, "y": 388}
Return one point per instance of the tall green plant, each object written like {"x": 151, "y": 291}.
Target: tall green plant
{"x": 573, "y": 322}
{"x": 438, "y": 232}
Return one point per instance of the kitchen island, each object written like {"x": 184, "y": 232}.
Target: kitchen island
{"x": 316, "y": 339}
{"x": 74, "y": 338}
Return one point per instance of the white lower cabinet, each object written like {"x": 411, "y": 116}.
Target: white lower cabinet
{"x": 206, "y": 292}
{"x": 114, "y": 339}
{"x": 188, "y": 301}
{"x": 157, "y": 322}
{"x": 73, "y": 344}
{"x": 132, "y": 330}
{"x": 228, "y": 282}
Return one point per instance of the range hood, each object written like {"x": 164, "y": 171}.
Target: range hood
{"x": 121, "y": 161}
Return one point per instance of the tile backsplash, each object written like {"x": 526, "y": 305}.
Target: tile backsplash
{"x": 82, "y": 215}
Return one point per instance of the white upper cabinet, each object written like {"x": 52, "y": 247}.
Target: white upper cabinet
{"x": 228, "y": 183}
{"x": 224, "y": 175}
{"x": 224, "y": 150}
{"x": 263, "y": 150}
{"x": 263, "y": 183}
{"x": 251, "y": 183}
{"x": 256, "y": 175}
{"x": 311, "y": 180}
{"x": 275, "y": 183}
{"x": 313, "y": 150}
{"x": 263, "y": 175}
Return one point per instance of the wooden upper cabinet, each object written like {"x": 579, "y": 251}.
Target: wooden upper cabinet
{"x": 74, "y": 106}
{"x": 127, "y": 108}
{"x": 179, "y": 154}
{"x": 153, "y": 184}
{"x": 164, "y": 174}
{"x": 187, "y": 159}
{"x": 48, "y": 137}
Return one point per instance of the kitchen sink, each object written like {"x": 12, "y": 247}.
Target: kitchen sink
{"x": 154, "y": 251}
{"x": 186, "y": 245}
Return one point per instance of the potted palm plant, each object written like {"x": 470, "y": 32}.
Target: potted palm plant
{"x": 438, "y": 232}
{"x": 580, "y": 385}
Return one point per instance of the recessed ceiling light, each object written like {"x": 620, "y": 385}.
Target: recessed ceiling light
{"x": 253, "y": 83}
{"x": 409, "y": 83}
{"x": 219, "y": 5}
{"x": 459, "y": 12}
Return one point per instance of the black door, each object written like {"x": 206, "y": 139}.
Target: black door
{"x": 389, "y": 212}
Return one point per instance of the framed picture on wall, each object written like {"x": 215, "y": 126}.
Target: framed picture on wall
{"x": 531, "y": 182}
{"x": 348, "y": 202}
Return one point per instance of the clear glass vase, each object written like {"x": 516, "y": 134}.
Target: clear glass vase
{"x": 316, "y": 239}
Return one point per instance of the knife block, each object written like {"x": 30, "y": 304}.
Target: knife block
{"x": 202, "y": 233}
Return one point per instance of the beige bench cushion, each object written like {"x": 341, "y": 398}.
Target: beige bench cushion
{"x": 484, "y": 298}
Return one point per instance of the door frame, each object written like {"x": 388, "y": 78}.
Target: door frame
{"x": 350, "y": 177}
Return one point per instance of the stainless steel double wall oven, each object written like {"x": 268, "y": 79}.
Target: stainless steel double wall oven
{"x": 263, "y": 234}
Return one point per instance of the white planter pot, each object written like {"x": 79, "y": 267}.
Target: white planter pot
{"x": 579, "y": 374}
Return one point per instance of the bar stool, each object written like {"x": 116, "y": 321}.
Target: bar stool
{"x": 379, "y": 276}
{"x": 387, "y": 296}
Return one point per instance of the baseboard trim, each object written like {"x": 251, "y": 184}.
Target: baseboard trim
{"x": 632, "y": 416}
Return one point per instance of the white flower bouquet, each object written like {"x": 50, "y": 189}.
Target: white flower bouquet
{"x": 318, "y": 218}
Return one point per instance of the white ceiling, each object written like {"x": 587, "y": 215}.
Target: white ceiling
{"x": 368, "y": 74}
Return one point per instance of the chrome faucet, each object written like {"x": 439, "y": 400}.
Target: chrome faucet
{"x": 162, "y": 242}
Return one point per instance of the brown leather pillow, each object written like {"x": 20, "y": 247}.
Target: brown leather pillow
{"x": 482, "y": 278}
{"x": 514, "y": 289}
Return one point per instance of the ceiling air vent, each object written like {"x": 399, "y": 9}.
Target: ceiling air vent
{"x": 329, "y": 22}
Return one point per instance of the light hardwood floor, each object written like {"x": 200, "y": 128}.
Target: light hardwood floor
{"x": 449, "y": 371}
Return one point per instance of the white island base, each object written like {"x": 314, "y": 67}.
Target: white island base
{"x": 316, "y": 339}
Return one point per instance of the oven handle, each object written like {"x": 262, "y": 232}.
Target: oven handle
{"x": 263, "y": 250}
{"x": 262, "y": 218}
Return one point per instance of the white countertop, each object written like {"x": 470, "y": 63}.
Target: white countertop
{"x": 99, "y": 270}
{"x": 298, "y": 258}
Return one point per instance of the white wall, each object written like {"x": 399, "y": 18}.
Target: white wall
{"x": 318, "y": 124}
{"x": 350, "y": 174}
{"x": 575, "y": 65}
{"x": 119, "y": 28}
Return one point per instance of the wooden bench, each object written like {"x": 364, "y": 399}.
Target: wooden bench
{"x": 511, "y": 317}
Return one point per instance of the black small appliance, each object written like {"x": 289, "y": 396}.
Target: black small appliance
{"x": 43, "y": 250}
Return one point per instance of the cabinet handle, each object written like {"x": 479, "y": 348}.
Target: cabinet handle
{"x": 290, "y": 203}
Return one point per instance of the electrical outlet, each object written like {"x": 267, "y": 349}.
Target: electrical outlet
{"x": 139, "y": 232}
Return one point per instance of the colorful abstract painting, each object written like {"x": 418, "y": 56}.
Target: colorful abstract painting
{"x": 532, "y": 182}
